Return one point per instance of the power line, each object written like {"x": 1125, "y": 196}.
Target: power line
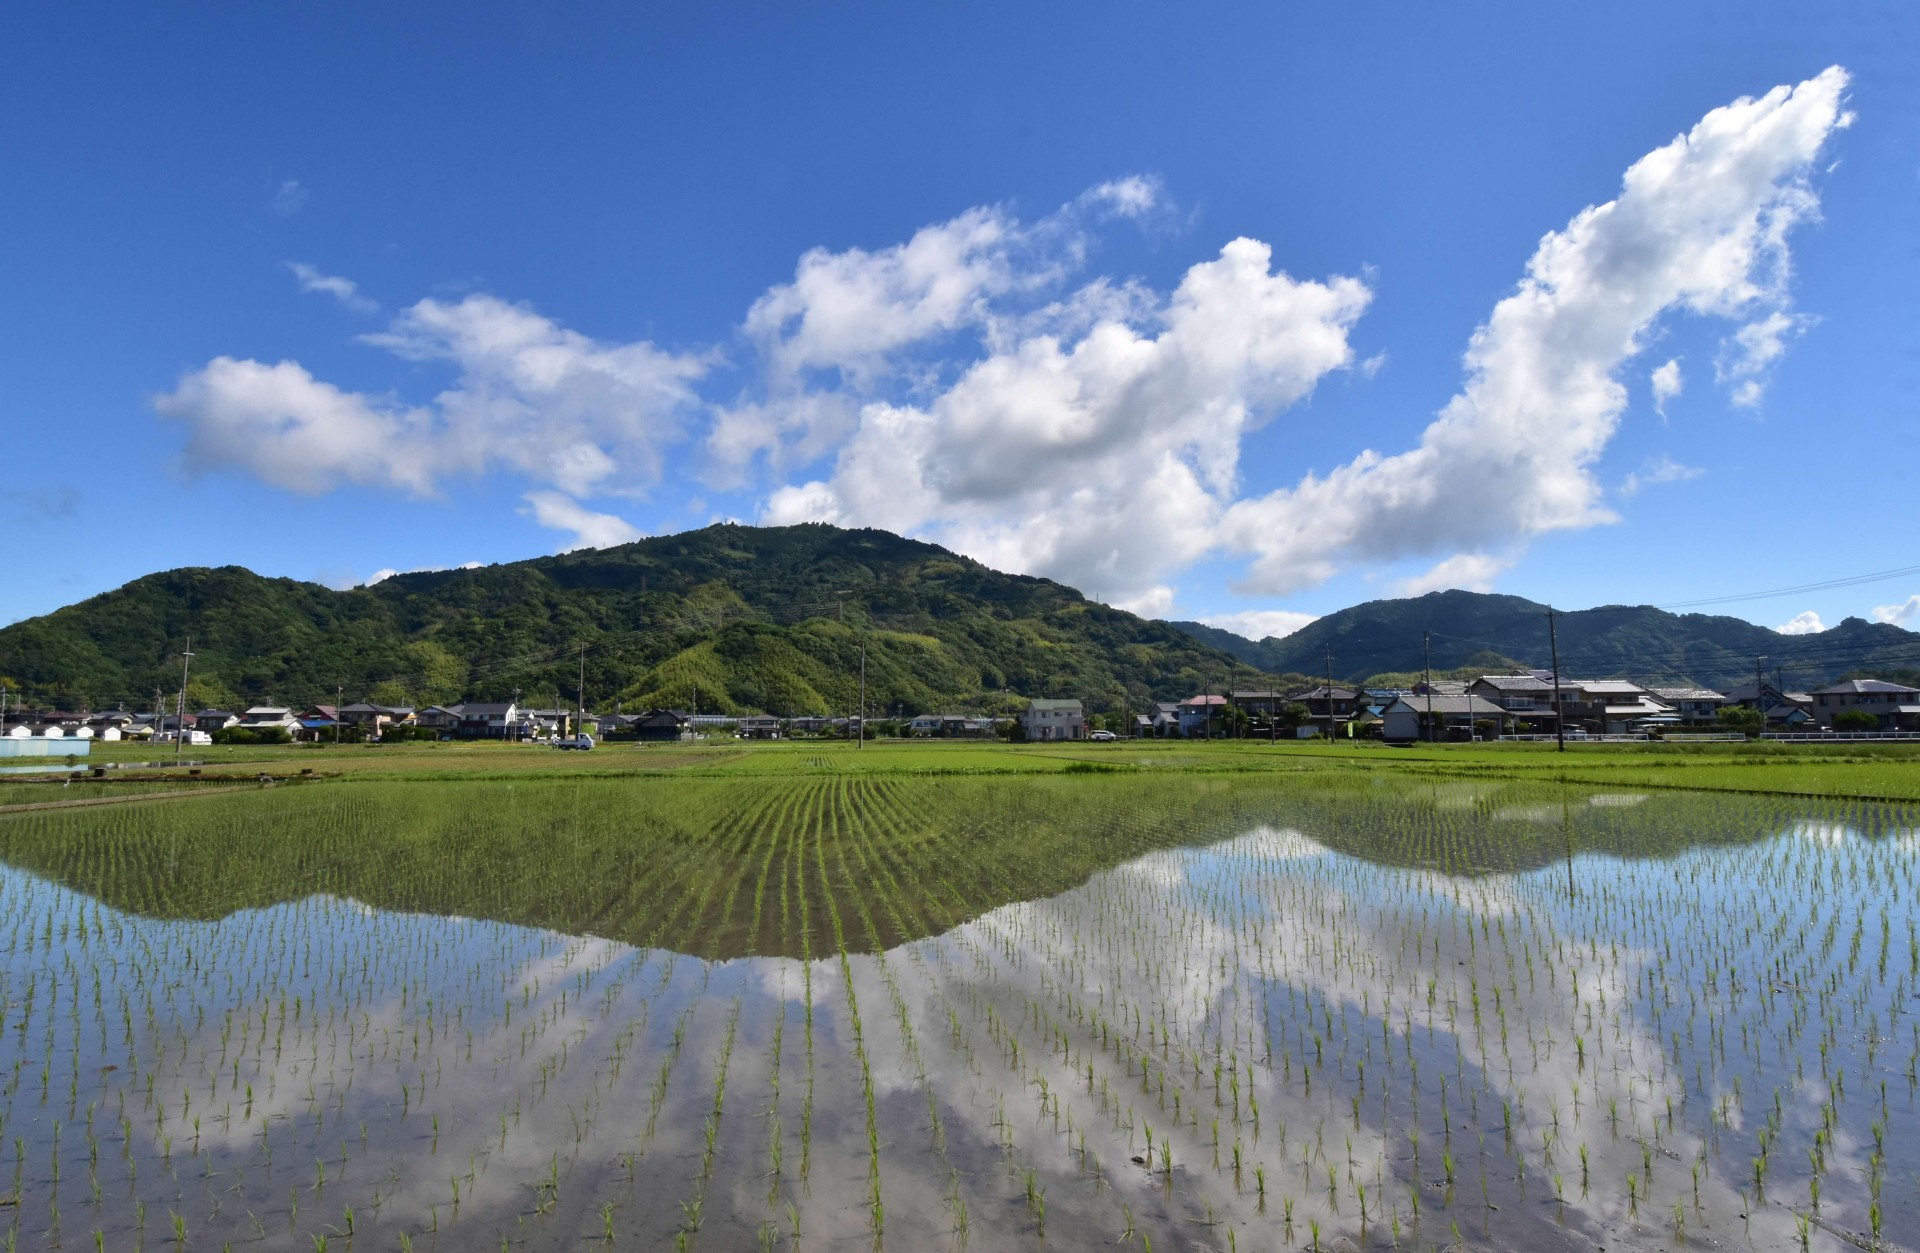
{"x": 1853, "y": 580}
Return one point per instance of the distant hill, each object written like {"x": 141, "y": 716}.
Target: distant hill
{"x": 1627, "y": 641}
{"x": 731, "y": 617}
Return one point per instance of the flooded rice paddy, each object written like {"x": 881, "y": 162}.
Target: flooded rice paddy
{"x": 1346, "y": 1012}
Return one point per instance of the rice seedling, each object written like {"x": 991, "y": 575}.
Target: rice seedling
{"x": 1035, "y": 964}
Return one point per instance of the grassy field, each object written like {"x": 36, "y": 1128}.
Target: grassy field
{"x": 1847, "y": 770}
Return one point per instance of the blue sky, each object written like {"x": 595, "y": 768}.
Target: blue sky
{"x": 1239, "y": 314}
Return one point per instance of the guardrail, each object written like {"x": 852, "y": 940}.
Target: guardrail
{"x": 1637, "y": 737}
{"x": 1828, "y": 737}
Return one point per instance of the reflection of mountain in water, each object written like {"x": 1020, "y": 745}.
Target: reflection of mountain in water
{"x": 727, "y": 868}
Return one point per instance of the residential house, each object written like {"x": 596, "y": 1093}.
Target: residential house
{"x": 663, "y": 724}
{"x": 1165, "y": 718}
{"x": 1608, "y": 706}
{"x": 1329, "y": 707}
{"x": 607, "y": 725}
{"x": 317, "y": 723}
{"x": 951, "y": 726}
{"x": 269, "y": 718}
{"x": 1527, "y": 700}
{"x": 1790, "y": 717}
{"x": 1694, "y": 706}
{"x": 1055, "y": 720}
{"x": 442, "y": 718}
{"x": 1894, "y": 706}
{"x": 211, "y": 720}
{"x": 549, "y": 722}
{"x": 1256, "y": 703}
{"x": 759, "y": 727}
{"x": 375, "y": 717}
{"x": 490, "y": 720}
{"x": 1201, "y": 715}
{"x": 1765, "y": 696}
{"x": 1452, "y": 717}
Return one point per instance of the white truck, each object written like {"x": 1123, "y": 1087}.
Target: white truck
{"x": 582, "y": 741}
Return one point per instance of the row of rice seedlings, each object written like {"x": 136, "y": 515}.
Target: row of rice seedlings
{"x": 1188, "y": 1010}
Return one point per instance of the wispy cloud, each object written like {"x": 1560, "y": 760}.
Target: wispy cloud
{"x": 1658, "y": 470}
{"x": 344, "y": 290}
{"x": 288, "y": 198}
{"x": 1667, "y": 383}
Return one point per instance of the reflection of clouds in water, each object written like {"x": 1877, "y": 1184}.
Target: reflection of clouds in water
{"x": 1273, "y": 843}
{"x": 1184, "y": 955}
{"x": 1824, "y": 834}
{"x": 1529, "y": 813}
{"x": 1616, "y": 800}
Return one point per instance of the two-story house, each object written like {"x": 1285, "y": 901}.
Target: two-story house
{"x": 1694, "y": 706}
{"x": 1526, "y": 700}
{"x": 1200, "y": 716}
{"x": 1054, "y": 720}
{"x": 490, "y": 720}
{"x": 1894, "y": 706}
{"x": 1329, "y": 707}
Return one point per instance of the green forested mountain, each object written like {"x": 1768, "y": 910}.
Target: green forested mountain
{"x": 732, "y": 617}
{"x": 1629, "y": 641}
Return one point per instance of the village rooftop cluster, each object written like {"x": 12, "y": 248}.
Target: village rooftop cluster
{"x": 1520, "y": 705}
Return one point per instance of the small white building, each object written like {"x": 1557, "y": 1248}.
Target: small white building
{"x": 1054, "y": 720}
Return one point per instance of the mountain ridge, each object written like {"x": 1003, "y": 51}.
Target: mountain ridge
{"x": 733, "y": 618}
{"x": 1640, "y": 642}
{"x": 725, "y": 618}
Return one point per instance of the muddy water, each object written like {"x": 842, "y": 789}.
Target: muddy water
{"x": 1429, "y": 1020}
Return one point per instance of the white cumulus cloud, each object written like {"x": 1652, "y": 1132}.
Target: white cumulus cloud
{"x": 559, "y": 512}
{"x": 565, "y": 410}
{"x": 1103, "y": 459}
{"x": 1901, "y": 613}
{"x": 1260, "y": 624}
{"x": 1700, "y": 225}
{"x": 1469, "y": 572}
{"x": 1804, "y": 623}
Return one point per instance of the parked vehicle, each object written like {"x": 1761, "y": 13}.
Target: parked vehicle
{"x": 583, "y": 742}
{"x": 1102, "y": 736}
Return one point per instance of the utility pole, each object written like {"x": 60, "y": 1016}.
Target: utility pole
{"x": 514, "y": 725}
{"x": 1559, "y": 711}
{"x": 862, "y": 741}
{"x": 180, "y": 724}
{"x": 1329, "y": 696}
{"x": 339, "y": 694}
{"x": 1759, "y": 704}
{"x": 580, "y": 694}
{"x": 1426, "y": 651}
